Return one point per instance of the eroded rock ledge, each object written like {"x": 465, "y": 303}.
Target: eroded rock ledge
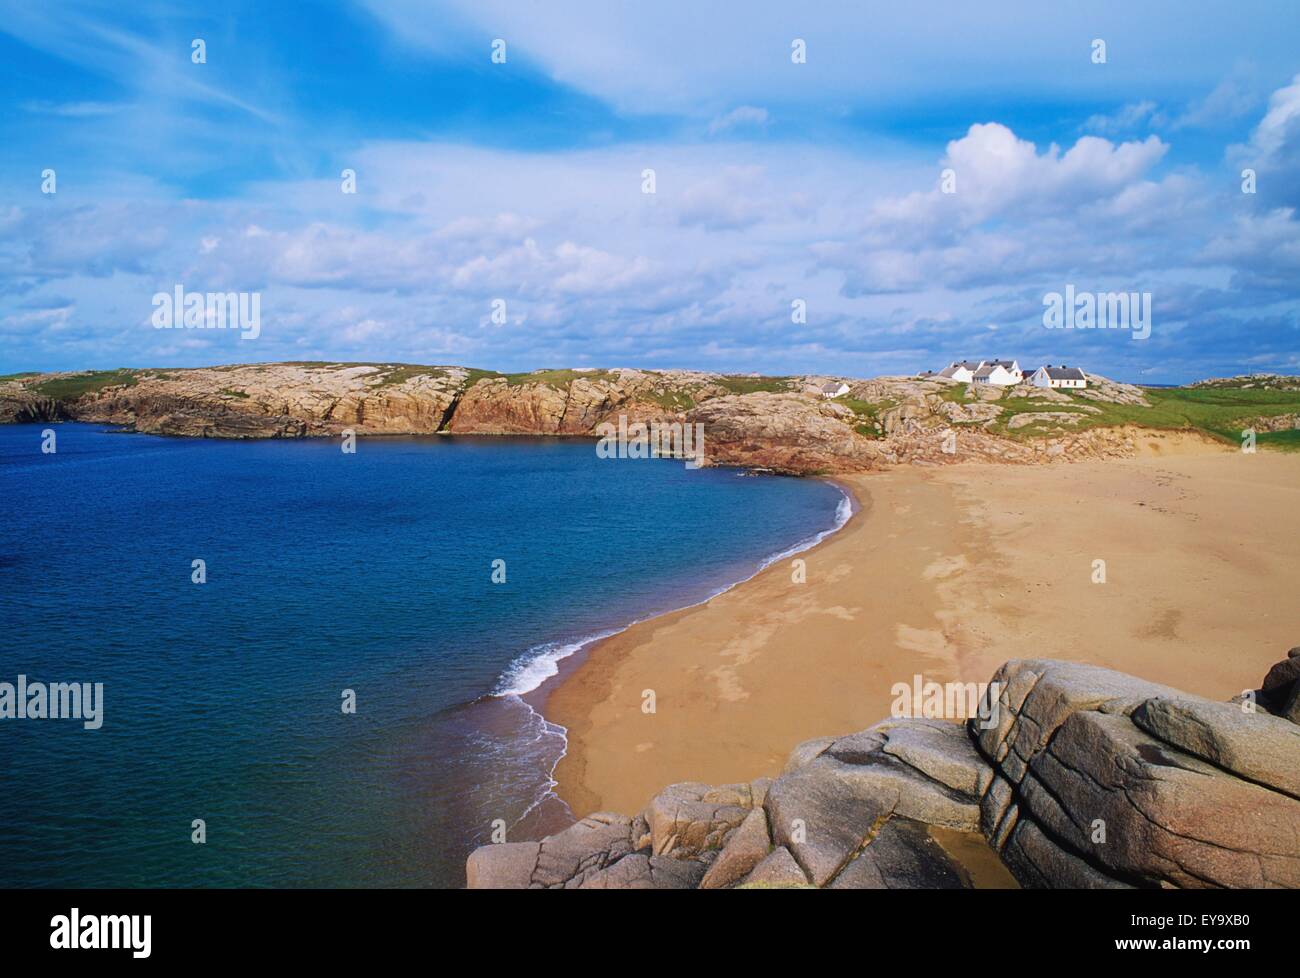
{"x": 1086, "y": 778}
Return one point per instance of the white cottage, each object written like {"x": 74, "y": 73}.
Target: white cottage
{"x": 1000, "y": 373}
{"x": 834, "y": 388}
{"x": 962, "y": 371}
{"x": 1061, "y": 376}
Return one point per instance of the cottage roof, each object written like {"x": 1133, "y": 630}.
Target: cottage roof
{"x": 1065, "y": 373}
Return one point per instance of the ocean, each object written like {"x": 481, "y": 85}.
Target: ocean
{"x": 328, "y": 575}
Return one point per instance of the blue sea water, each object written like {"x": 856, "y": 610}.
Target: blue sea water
{"x": 327, "y": 572}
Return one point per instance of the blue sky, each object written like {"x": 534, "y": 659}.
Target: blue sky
{"x": 775, "y": 181}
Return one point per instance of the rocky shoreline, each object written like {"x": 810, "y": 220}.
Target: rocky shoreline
{"x": 781, "y": 424}
{"x": 1080, "y": 777}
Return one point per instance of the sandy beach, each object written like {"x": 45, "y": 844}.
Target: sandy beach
{"x": 947, "y": 572}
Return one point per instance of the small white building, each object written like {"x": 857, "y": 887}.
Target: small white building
{"x": 833, "y": 388}
{"x": 962, "y": 371}
{"x": 1012, "y": 367}
{"x": 1061, "y": 376}
{"x": 1000, "y": 373}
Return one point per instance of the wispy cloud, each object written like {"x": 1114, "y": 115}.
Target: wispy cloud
{"x": 71, "y": 110}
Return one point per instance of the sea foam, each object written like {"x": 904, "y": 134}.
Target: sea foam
{"x": 537, "y": 664}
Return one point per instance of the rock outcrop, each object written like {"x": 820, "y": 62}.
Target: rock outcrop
{"x": 1100, "y": 781}
{"x": 782, "y": 432}
{"x": 1277, "y": 422}
{"x": 781, "y": 424}
{"x": 1074, "y": 776}
{"x": 577, "y": 404}
{"x": 15, "y": 408}
{"x": 1271, "y": 382}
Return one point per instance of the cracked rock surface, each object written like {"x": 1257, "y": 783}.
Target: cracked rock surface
{"x": 1081, "y": 777}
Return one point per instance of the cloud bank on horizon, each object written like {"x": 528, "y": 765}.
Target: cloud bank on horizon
{"x": 918, "y": 183}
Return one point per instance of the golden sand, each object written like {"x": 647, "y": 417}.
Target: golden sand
{"x": 948, "y": 572}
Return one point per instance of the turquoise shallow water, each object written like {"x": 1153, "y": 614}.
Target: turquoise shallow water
{"x": 326, "y": 572}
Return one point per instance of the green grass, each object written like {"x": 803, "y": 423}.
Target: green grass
{"x": 1221, "y": 412}
{"x": 867, "y": 415}
{"x": 956, "y": 393}
{"x": 1283, "y": 441}
{"x": 389, "y": 374}
{"x": 559, "y": 379}
{"x": 754, "y": 385}
{"x": 669, "y": 398}
{"x": 1012, "y": 406}
{"x": 231, "y": 392}
{"x": 19, "y": 376}
{"x": 474, "y": 375}
{"x": 402, "y": 372}
{"x": 70, "y": 388}
{"x": 673, "y": 399}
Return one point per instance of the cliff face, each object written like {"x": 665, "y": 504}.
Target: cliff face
{"x": 262, "y": 400}
{"x": 19, "y": 408}
{"x": 576, "y": 407}
{"x": 789, "y": 432}
{"x": 1081, "y": 777}
{"x": 781, "y": 424}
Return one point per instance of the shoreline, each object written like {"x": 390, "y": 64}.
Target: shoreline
{"x": 582, "y": 646}
{"x": 940, "y": 573}
{"x": 575, "y": 654}
{"x": 569, "y": 771}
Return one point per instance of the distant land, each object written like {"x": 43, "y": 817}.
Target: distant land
{"x": 787, "y": 424}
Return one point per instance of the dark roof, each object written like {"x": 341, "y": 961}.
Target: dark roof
{"x": 1065, "y": 373}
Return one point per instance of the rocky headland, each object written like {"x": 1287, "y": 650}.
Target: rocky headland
{"x": 1081, "y": 777}
{"x": 776, "y": 423}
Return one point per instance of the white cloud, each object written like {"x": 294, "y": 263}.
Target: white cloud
{"x": 735, "y": 199}
{"x": 699, "y": 274}
{"x": 997, "y": 173}
{"x": 1275, "y": 143}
